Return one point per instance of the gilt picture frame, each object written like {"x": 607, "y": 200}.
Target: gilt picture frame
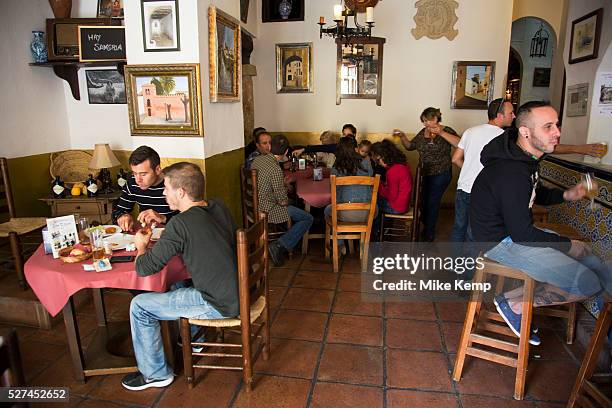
{"x": 164, "y": 100}
{"x": 224, "y": 56}
{"x": 294, "y": 69}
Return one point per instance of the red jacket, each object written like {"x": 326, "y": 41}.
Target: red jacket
{"x": 396, "y": 190}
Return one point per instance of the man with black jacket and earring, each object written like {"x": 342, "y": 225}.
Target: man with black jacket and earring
{"x": 500, "y": 218}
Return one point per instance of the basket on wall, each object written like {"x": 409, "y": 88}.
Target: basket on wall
{"x": 72, "y": 166}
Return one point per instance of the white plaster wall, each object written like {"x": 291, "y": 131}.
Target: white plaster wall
{"x": 33, "y": 112}
{"x": 223, "y": 121}
{"x": 549, "y": 10}
{"x": 576, "y": 129}
{"x": 416, "y": 74}
{"x": 523, "y": 31}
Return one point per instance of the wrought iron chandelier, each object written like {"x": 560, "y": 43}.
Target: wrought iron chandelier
{"x": 341, "y": 29}
{"x": 539, "y": 42}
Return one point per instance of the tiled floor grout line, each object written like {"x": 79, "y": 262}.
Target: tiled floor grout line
{"x": 271, "y": 323}
{"x": 450, "y": 366}
{"x": 323, "y": 341}
{"x": 384, "y": 342}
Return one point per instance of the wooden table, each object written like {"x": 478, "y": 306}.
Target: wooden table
{"x": 97, "y": 208}
{"x": 55, "y": 283}
{"x": 315, "y": 194}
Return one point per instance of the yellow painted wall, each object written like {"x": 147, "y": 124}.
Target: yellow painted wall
{"x": 223, "y": 180}
{"x": 550, "y": 10}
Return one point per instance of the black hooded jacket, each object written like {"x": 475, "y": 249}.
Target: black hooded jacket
{"x": 500, "y": 201}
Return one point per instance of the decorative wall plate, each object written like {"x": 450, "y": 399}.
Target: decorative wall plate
{"x": 360, "y": 5}
{"x": 435, "y": 19}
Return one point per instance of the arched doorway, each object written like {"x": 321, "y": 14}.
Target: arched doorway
{"x": 529, "y": 71}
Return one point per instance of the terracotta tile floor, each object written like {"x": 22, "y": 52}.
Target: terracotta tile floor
{"x": 332, "y": 346}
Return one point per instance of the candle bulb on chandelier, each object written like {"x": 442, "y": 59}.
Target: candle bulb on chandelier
{"x": 321, "y": 20}
{"x": 338, "y": 12}
{"x": 369, "y": 14}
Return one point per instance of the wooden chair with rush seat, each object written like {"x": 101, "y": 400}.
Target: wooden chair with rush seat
{"x": 253, "y": 268}
{"x": 336, "y": 229}
{"x": 398, "y": 227}
{"x": 15, "y": 227}
{"x": 250, "y": 204}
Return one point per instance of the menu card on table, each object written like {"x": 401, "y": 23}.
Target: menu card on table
{"x": 62, "y": 232}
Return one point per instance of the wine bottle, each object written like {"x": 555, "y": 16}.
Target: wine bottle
{"x": 121, "y": 178}
{"x": 92, "y": 187}
{"x": 57, "y": 187}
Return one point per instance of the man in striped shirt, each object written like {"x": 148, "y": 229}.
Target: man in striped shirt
{"x": 144, "y": 187}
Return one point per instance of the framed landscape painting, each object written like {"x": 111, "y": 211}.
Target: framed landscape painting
{"x": 584, "y": 44}
{"x": 224, "y": 55}
{"x": 294, "y": 68}
{"x": 105, "y": 86}
{"x": 164, "y": 100}
{"x": 160, "y": 25}
{"x": 472, "y": 84}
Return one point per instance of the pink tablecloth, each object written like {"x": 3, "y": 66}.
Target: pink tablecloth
{"x": 54, "y": 281}
{"x": 315, "y": 193}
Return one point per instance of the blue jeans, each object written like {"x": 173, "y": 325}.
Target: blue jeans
{"x": 301, "y": 222}
{"x": 581, "y": 277}
{"x": 433, "y": 190}
{"x": 146, "y": 310}
{"x": 462, "y": 216}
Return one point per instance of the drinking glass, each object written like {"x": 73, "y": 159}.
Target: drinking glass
{"x": 604, "y": 151}
{"x": 97, "y": 244}
{"x": 589, "y": 183}
{"x": 82, "y": 226}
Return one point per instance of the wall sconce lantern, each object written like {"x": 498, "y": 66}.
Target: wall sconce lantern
{"x": 539, "y": 43}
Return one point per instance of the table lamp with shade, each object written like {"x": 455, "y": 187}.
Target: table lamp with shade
{"x": 103, "y": 159}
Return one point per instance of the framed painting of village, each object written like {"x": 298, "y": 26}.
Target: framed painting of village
{"x": 224, "y": 56}
{"x": 164, "y": 100}
{"x": 472, "y": 84}
{"x": 294, "y": 68}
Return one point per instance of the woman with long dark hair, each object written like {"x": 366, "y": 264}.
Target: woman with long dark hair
{"x": 394, "y": 193}
{"x": 350, "y": 163}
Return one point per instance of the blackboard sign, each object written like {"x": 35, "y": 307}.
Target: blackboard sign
{"x": 97, "y": 43}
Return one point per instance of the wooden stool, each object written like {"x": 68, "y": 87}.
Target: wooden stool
{"x": 478, "y": 322}
{"x": 539, "y": 213}
{"x": 586, "y": 392}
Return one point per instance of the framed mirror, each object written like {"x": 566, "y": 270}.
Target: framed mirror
{"x": 359, "y": 69}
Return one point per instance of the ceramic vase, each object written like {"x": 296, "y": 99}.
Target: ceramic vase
{"x": 38, "y": 47}
{"x": 284, "y": 9}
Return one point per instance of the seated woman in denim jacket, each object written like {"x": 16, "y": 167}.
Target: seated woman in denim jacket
{"x": 350, "y": 163}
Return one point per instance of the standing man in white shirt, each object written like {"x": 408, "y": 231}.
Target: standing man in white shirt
{"x": 467, "y": 158}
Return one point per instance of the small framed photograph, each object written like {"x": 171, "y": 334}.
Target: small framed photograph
{"x": 164, "y": 100}
{"x": 110, "y": 8}
{"x": 584, "y": 44}
{"x": 472, "y": 84}
{"x": 160, "y": 25}
{"x": 224, "y": 56}
{"x": 105, "y": 86}
{"x": 294, "y": 70}
{"x": 577, "y": 98}
{"x": 541, "y": 77}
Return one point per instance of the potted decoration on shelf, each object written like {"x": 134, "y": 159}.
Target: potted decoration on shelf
{"x": 38, "y": 47}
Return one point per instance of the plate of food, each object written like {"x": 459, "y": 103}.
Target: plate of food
{"x": 106, "y": 230}
{"x": 76, "y": 253}
{"x": 119, "y": 241}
